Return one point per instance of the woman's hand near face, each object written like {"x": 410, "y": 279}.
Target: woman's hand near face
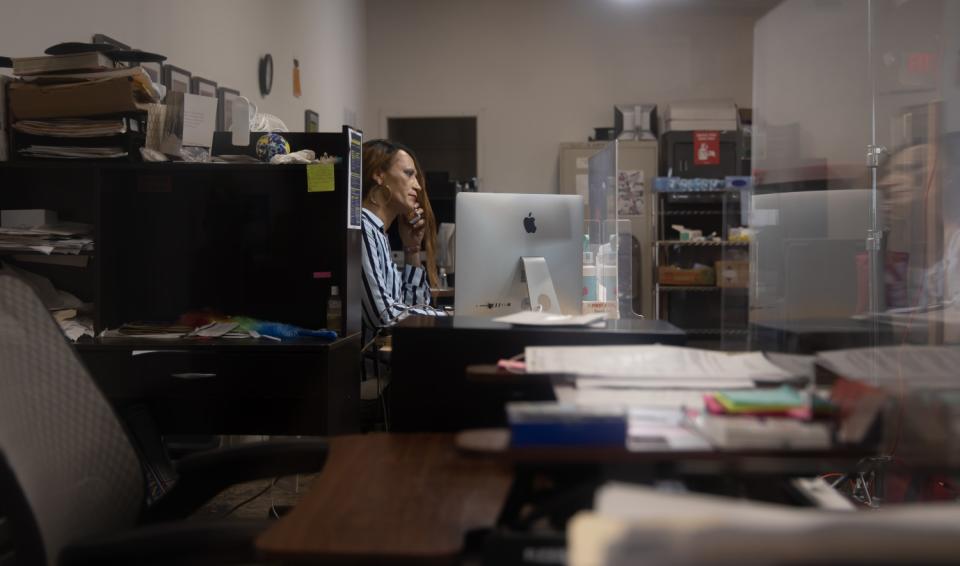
{"x": 412, "y": 234}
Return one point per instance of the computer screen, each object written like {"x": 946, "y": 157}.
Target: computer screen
{"x": 495, "y": 230}
{"x": 805, "y": 254}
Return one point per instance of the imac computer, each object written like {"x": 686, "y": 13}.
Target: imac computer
{"x": 500, "y": 233}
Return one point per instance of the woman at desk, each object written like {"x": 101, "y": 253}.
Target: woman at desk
{"x": 394, "y": 188}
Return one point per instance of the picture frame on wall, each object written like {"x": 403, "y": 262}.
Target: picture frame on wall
{"x": 203, "y": 87}
{"x": 176, "y": 79}
{"x": 153, "y": 70}
{"x": 311, "y": 121}
{"x": 225, "y": 99}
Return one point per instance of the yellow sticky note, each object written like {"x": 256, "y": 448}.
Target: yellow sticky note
{"x": 320, "y": 178}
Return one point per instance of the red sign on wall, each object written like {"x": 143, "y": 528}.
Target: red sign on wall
{"x": 706, "y": 148}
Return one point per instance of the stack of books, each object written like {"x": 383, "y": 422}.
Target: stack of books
{"x": 78, "y": 106}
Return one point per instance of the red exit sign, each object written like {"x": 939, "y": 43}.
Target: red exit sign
{"x": 921, "y": 62}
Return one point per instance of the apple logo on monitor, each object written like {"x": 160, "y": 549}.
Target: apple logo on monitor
{"x": 529, "y": 223}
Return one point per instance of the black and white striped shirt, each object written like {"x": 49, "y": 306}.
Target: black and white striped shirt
{"x": 388, "y": 292}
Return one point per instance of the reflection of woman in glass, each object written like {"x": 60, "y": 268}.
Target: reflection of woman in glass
{"x": 907, "y": 192}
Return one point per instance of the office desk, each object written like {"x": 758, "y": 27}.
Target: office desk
{"x": 768, "y": 462}
{"x": 429, "y": 391}
{"x": 221, "y": 386}
{"x": 816, "y": 335}
{"x": 390, "y": 498}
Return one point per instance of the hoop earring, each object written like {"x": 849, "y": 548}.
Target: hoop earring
{"x": 378, "y": 189}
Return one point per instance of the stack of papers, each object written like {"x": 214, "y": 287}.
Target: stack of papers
{"x": 535, "y": 318}
{"x": 73, "y": 152}
{"x": 157, "y": 330}
{"x": 72, "y": 127}
{"x": 917, "y": 367}
{"x": 167, "y": 331}
{"x": 65, "y": 238}
{"x": 630, "y": 521}
{"x": 740, "y": 432}
{"x": 655, "y": 366}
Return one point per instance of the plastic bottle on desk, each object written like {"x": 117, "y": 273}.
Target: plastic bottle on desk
{"x": 334, "y": 310}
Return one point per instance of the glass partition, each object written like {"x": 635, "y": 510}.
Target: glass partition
{"x": 855, "y": 216}
{"x": 608, "y": 253}
{"x": 856, "y": 210}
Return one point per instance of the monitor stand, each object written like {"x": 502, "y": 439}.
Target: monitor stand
{"x": 541, "y": 295}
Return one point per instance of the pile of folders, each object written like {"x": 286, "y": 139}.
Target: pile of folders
{"x": 78, "y": 103}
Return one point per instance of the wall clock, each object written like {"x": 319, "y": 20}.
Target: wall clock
{"x": 266, "y": 74}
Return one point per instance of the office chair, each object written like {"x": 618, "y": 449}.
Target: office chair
{"x": 71, "y": 483}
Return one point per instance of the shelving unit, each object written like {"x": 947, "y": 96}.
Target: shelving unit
{"x": 229, "y": 239}
{"x": 711, "y": 315}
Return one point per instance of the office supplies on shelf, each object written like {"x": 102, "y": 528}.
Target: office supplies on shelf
{"x": 652, "y": 397}
{"x": 782, "y": 402}
{"x": 661, "y": 428}
{"x": 554, "y": 424}
{"x": 736, "y": 432}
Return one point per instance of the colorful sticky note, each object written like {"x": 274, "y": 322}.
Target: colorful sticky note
{"x": 320, "y": 178}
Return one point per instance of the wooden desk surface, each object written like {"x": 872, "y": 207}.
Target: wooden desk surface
{"x": 445, "y": 292}
{"x": 385, "y": 498}
{"x": 496, "y": 443}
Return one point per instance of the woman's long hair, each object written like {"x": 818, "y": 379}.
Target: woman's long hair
{"x": 378, "y": 155}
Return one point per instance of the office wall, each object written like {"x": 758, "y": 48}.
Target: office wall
{"x": 538, "y": 72}
{"x": 221, "y": 40}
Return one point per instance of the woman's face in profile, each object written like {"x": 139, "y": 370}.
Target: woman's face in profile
{"x": 903, "y": 183}
{"x": 401, "y": 179}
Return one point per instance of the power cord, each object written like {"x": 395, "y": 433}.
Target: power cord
{"x": 251, "y": 498}
{"x": 273, "y": 512}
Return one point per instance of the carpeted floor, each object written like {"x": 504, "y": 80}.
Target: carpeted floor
{"x": 257, "y": 499}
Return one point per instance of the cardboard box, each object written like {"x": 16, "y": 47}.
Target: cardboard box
{"x": 733, "y": 274}
{"x": 704, "y": 276}
{"x": 91, "y": 98}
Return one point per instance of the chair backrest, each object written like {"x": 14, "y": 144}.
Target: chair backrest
{"x": 70, "y": 456}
